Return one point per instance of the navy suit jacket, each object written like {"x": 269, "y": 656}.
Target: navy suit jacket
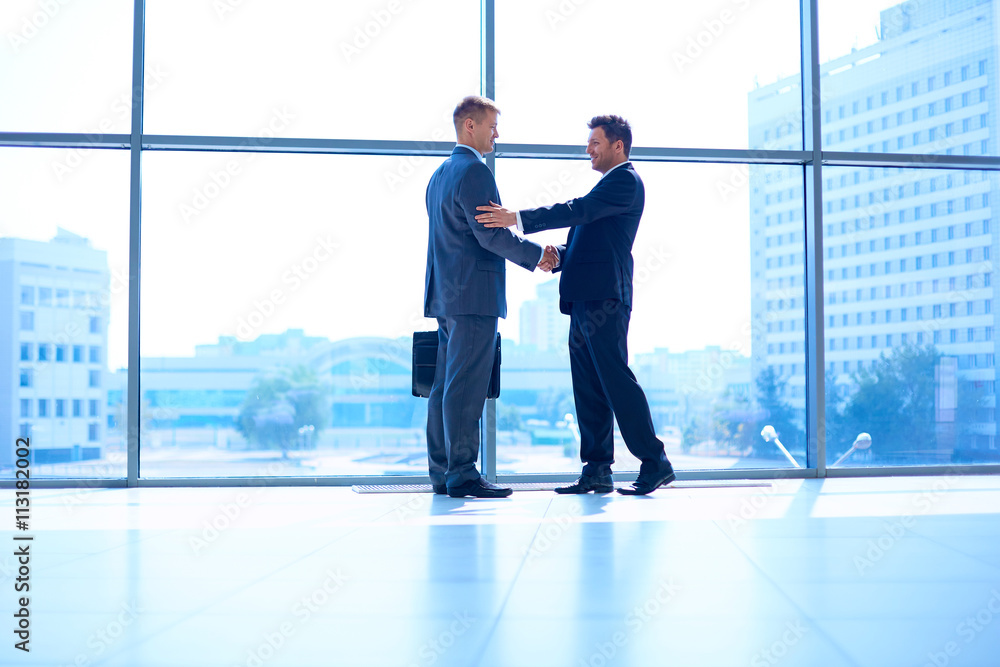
{"x": 596, "y": 262}
{"x": 466, "y": 272}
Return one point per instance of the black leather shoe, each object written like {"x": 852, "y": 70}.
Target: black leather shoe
{"x": 588, "y": 483}
{"x": 479, "y": 488}
{"x": 440, "y": 489}
{"x": 647, "y": 483}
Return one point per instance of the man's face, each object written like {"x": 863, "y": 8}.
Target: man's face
{"x": 484, "y": 132}
{"x": 602, "y": 153}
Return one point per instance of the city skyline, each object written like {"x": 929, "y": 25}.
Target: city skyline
{"x": 199, "y": 396}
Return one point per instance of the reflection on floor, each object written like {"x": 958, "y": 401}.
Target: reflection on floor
{"x": 881, "y": 572}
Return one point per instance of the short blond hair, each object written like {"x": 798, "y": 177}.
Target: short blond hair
{"x": 474, "y": 107}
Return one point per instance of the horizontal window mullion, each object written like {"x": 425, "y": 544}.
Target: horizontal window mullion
{"x": 530, "y": 151}
{"x": 64, "y": 140}
{"x": 295, "y": 145}
{"x": 909, "y": 160}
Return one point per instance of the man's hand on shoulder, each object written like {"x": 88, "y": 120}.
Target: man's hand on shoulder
{"x": 496, "y": 216}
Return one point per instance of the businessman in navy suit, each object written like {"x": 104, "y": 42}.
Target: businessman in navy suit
{"x": 595, "y": 290}
{"x": 464, "y": 288}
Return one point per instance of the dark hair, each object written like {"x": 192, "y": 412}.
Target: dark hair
{"x": 474, "y": 107}
{"x": 615, "y": 128}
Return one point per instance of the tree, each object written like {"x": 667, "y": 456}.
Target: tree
{"x": 733, "y": 422}
{"x": 894, "y": 403}
{"x": 835, "y": 430}
{"x": 279, "y": 404}
{"x": 508, "y": 417}
{"x": 776, "y": 413}
{"x": 974, "y": 408}
{"x": 553, "y": 406}
{"x": 694, "y": 434}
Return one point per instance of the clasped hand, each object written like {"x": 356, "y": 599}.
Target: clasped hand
{"x": 550, "y": 259}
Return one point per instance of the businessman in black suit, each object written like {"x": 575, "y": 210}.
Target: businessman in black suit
{"x": 596, "y": 292}
{"x": 464, "y": 288}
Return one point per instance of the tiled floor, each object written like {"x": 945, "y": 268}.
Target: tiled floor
{"x": 880, "y": 572}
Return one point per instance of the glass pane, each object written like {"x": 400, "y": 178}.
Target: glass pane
{"x": 68, "y": 65}
{"x": 910, "y": 320}
{"x": 281, "y": 293}
{"x": 912, "y": 77}
{"x": 684, "y": 74}
{"x": 64, "y": 281}
{"x": 717, "y": 332}
{"x": 367, "y": 69}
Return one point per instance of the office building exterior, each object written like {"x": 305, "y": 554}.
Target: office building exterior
{"x": 908, "y": 254}
{"x": 54, "y": 305}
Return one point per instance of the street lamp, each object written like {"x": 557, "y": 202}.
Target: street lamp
{"x": 770, "y": 435}
{"x": 861, "y": 443}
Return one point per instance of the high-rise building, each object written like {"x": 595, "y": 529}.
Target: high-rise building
{"x": 542, "y": 325}
{"x": 908, "y": 254}
{"x": 54, "y": 325}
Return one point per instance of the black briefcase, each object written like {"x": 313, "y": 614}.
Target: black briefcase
{"x": 425, "y": 345}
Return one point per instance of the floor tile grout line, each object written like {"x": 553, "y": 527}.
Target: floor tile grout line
{"x": 897, "y": 492}
{"x": 107, "y": 550}
{"x": 934, "y": 540}
{"x": 169, "y": 531}
{"x": 510, "y": 590}
{"x": 781, "y": 591}
{"x": 39, "y": 501}
{"x": 239, "y": 590}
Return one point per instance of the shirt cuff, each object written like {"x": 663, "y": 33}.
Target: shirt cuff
{"x": 520, "y": 227}
{"x": 541, "y": 255}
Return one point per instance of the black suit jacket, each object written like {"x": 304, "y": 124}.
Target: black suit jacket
{"x": 466, "y": 272}
{"x": 596, "y": 262}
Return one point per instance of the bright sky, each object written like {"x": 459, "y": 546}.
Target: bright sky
{"x": 227, "y": 236}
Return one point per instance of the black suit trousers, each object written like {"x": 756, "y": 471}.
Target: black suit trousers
{"x": 604, "y": 387}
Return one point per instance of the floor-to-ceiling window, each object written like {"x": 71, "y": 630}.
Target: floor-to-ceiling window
{"x": 64, "y": 226}
{"x": 278, "y": 205}
{"x": 910, "y": 252}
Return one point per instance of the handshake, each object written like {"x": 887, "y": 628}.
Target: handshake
{"x": 498, "y": 216}
{"x": 550, "y": 259}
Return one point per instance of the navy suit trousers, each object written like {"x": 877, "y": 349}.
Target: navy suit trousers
{"x": 466, "y": 348}
{"x": 604, "y": 388}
